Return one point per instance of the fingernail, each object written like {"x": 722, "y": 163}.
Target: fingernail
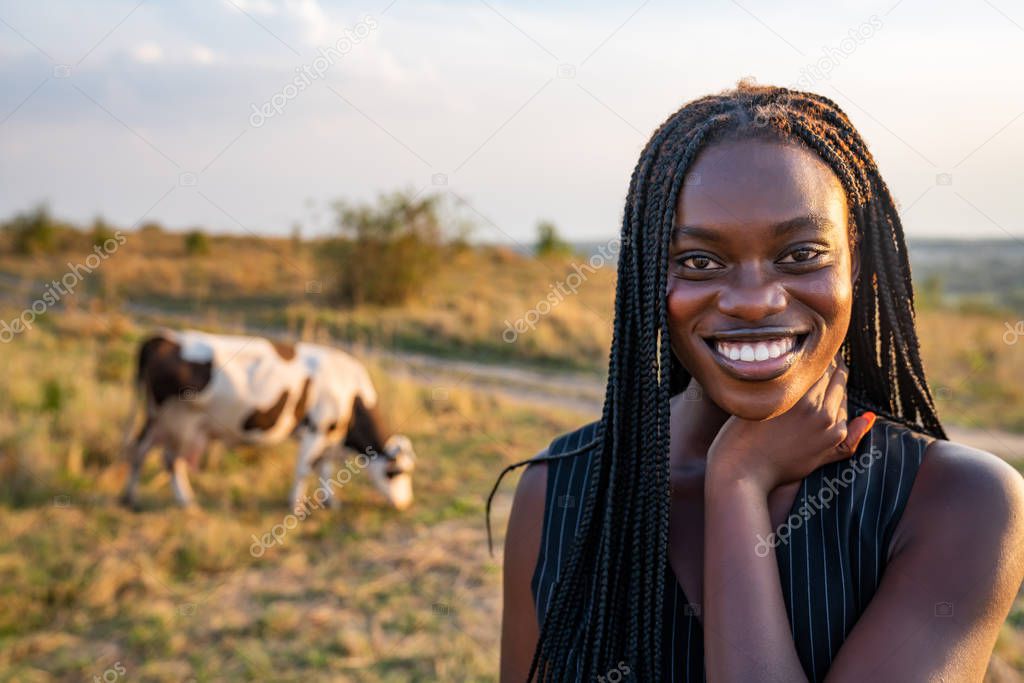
{"x": 871, "y": 418}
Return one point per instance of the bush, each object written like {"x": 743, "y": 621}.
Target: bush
{"x": 54, "y": 396}
{"x": 197, "y": 243}
{"x": 386, "y": 251}
{"x": 33, "y": 232}
{"x": 101, "y": 232}
{"x": 549, "y": 242}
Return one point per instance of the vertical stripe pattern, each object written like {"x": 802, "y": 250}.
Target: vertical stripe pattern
{"x": 839, "y": 530}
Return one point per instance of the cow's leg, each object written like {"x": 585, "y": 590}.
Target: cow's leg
{"x": 326, "y": 472}
{"x": 136, "y": 453}
{"x": 177, "y": 466}
{"x": 310, "y": 447}
{"x": 189, "y": 443}
{"x": 180, "y": 484}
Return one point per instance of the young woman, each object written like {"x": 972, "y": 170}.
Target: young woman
{"x": 738, "y": 513}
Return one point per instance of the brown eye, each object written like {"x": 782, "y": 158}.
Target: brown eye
{"x": 802, "y": 255}
{"x": 699, "y": 262}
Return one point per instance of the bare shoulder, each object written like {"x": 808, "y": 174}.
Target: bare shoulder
{"x": 976, "y": 478}
{"x": 969, "y": 496}
{"x": 528, "y": 503}
{"x": 534, "y": 477}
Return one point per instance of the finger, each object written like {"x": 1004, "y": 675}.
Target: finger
{"x": 856, "y": 430}
{"x": 835, "y": 393}
{"x": 815, "y": 395}
{"x": 840, "y": 417}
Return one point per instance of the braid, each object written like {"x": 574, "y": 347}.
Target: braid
{"x": 609, "y": 597}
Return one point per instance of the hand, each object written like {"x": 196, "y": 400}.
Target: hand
{"x": 788, "y": 447}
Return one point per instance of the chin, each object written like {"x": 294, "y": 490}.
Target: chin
{"x": 752, "y": 404}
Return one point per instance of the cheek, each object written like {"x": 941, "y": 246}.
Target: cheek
{"x": 678, "y": 303}
{"x": 683, "y": 304}
{"x": 830, "y": 296}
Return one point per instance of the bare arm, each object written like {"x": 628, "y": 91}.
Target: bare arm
{"x": 746, "y": 628}
{"x": 519, "y": 629}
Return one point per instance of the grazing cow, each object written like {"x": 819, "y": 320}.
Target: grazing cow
{"x": 199, "y": 386}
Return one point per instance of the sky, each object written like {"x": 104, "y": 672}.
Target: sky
{"x": 255, "y": 115}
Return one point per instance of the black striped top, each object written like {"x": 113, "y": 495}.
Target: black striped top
{"x": 830, "y": 562}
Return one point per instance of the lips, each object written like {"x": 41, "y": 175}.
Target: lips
{"x": 757, "y": 354}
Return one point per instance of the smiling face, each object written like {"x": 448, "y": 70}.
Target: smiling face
{"x": 760, "y": 274}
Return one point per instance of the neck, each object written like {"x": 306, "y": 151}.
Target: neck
{"x": 696, "y": 421}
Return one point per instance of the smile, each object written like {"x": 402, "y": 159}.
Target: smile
{"x": 757, "y": 354}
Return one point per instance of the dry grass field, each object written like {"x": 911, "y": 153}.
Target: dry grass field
{"x": 358, "y": 593}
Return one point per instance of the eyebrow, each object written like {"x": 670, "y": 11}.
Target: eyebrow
{"x": 819, "y": 224}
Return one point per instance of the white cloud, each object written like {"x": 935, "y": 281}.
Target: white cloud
{"x": 314, "y": 24}
{"x": 148, "y": 53}
{"x": 202, "y": 54}
{"x": 264, "y": 7}
{"x": 372, "y": 61}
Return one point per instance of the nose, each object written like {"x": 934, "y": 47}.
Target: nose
{"x": 752, "y": 294}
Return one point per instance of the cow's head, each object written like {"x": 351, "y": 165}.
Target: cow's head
{"x": 391, "y": 471}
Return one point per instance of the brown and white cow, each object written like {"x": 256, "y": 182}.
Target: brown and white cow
{"x": 198, "y": 387}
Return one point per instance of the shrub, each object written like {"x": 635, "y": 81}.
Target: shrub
{"x": 386, "y": 250}
{"x": 33, "y": 232}
{"x": 197, "y": 243}
{"x": 549, "y": 242}
{"x": 101, "y": 232}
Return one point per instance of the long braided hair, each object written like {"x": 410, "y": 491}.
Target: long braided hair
{"x": 607, "y": 606}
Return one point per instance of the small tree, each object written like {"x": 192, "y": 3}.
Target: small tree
{"x": 549, "y": 242}
{"x": 387, "y": 250}
{"x": 197, "y": 243}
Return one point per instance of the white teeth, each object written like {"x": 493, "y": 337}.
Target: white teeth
{"x": 756, "y": 351}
